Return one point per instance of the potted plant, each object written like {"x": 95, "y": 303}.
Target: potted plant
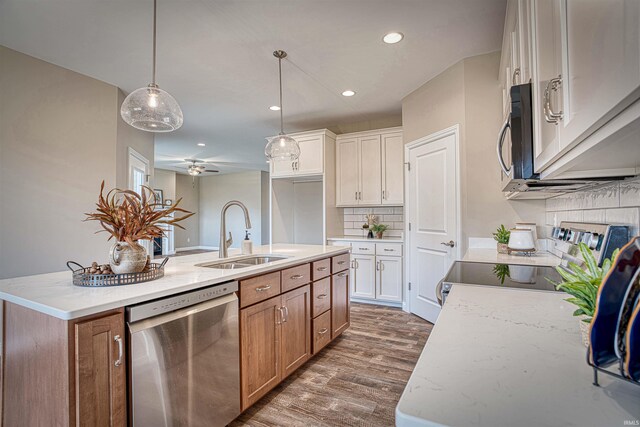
{"x": 128, "y": 217}
{"x": 379, "y": 229}
{"x": 583, "y": 286}
{"x": 501, "y": 236}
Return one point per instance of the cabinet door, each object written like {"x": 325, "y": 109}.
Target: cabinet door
{"x": 339, "y": 303}
{"x": 347, "y": 174}
{"x": 547, "y": 65}
{"x": 363, "y": 284}
{"x": 282, "y": 168}
{"x": 601, "y": 64}
{"x": 389, "y": 286}
{"x": 296, "y": 329}
{"x": 524, "y": 39}
{"x": 260, "y": 354}
{"x": 101, "y": 382}
{"x": 392, "y": 169}
{"x": 370, "y": 159}
{"x": 311, "y": 160}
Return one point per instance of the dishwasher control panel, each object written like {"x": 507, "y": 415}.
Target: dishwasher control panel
{"x": 177, "y": 302}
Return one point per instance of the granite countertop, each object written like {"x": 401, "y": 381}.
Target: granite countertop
{"x": 501, "y": 357}
{"x": 540, "y": 258}
{"x": 55, "y": 295}
{"x": 364, "y": 239}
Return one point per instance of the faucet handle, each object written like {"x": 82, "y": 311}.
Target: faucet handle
{"x": 229, "y": 241}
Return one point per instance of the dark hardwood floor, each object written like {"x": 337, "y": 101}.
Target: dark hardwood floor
{"x": 355, "y": 381}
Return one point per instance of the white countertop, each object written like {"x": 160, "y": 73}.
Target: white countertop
{"x": 55, "y": 295}
{"x": 364, "y": 239}
{"x": 540, "y": 258}
{"x": 502, "y": 357}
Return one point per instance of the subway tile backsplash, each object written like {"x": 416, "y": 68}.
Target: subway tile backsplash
{"x": 617, "y": 203}
{"x": 392, "y": 216}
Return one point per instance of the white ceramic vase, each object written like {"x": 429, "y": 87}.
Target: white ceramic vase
{"x": 127, "y": 258}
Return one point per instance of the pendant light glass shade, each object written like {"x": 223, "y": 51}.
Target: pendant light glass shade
{"x": 150, "y": 108}
{"x": 281, "y": 147}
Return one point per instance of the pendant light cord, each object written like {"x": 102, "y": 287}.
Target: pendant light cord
{"x": 280, "y": 74}
{"x": 153, "y": 77}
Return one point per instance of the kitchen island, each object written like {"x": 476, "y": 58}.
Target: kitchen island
{"x": 70, "y": 357}
{"x": 504, "y": 357}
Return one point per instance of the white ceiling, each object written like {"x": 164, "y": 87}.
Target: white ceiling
{"x": 215, "y": 58}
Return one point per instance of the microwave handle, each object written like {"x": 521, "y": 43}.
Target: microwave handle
{"x": 501, "y": 136}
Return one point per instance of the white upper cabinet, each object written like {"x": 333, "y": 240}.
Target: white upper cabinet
{"x": 585, "y": 63}
{"x": 393, "y": 169}
{"x": 369, "y": 168}
{"x": 311, "y": 161}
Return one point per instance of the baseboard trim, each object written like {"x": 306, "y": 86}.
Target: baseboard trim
{"x": 377, "y": 302}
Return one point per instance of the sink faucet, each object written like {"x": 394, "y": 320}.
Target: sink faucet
{"x": 225, "y": 243}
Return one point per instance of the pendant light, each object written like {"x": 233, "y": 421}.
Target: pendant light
{"x": 151, "y": 108}
{"x": 281, "y": 147}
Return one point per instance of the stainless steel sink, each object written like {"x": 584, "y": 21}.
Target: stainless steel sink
{"x": 244, "y": 262}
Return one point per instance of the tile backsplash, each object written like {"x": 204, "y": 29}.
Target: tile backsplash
{"x": 617, "y": 203}
{"x": 391, "y": 216}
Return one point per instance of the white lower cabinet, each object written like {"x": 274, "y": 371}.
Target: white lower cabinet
{"x": 389, "y": 278}
{"x": 363, "y": 276}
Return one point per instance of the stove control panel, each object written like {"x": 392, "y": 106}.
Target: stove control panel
{"x": 602, "y": 239}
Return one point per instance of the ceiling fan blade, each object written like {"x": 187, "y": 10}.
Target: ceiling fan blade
{"x": 213, "y": 171}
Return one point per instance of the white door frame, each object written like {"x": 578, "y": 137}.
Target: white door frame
{"x": 131, "y": 153}
{"x": 450, "y": 131}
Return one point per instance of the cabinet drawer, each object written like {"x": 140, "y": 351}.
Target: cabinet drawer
{"x": 259, "y": 288}
{"x": 321, "y": 331}
{"x": 295, "y": 277}
{"x": 321, "y": 269}
{"x": 321, "y": 296}
{"x": 340, "y": 263}
{"x": 392, "y": 249}
{"x": 363, "y": 248}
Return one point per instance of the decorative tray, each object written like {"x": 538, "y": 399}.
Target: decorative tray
{"x": 82, "y": 276}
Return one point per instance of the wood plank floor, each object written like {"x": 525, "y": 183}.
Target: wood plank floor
{"x": 355, "y": 381}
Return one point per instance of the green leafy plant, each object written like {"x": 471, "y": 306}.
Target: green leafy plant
{"x": 502, "y": 272}
{"x": 583, "y": 285}
{"x": 502, "y": 234}
{"x": 379, "y": 228}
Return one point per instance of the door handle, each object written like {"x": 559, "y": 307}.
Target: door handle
{"x": 118, "y": 339}
{"x": 501, "y": 136}
{"x": 450, "y": 243}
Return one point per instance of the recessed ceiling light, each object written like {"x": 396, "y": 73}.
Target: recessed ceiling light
{"x": 201, "y": 144}
{"x": 392, "y": 38}
{"x": 348, "y": 93}
{"x": 274, "y": 108}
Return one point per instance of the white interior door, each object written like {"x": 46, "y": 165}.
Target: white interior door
{"x": 433, "y": 211}
{"x": 139, "y": 176}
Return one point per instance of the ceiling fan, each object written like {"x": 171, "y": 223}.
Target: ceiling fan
{"x": 194, "y": 169}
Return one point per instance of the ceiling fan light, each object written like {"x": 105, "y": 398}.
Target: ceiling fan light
{"x": 151, "y": 109}
{"x": 282, "y": 147}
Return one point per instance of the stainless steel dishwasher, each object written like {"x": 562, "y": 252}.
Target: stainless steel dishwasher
{"x": 184, "y": 359}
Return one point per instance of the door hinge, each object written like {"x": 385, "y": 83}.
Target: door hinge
{"x": 408, "y": 165}
{"x": 409, "y": 285}
{"x": 409, "y": 226}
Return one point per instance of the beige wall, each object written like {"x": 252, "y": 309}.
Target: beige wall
{"x": 188, "y": 189}
{"x": 166, "y": 181}
{"x": 215, "y": 191}
{"x": 468, "y": 94}
{"x": 58, "y": 132}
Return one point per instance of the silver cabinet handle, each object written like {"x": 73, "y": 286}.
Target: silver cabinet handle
{"x": 342, "y": 274}
{"x": 377, "y": 265}
{"x": 286, "y": 313}
{"x": 516, "y": 73}
{"x": 364, "y": 249}
{"x": 381, "y": 265}
{"x": 322, "y": 296}
{"x": 501, "y": 136}
{"x": 359, "y": 195}
{"x": 283, "y": 318}
{"x": 549, "y": 115}
{"x": 263, "y": 288}
{"x": 388, "y": 250}
{"x": 383, "y": 197}
{"x": 357, "y": 264}
{"x": 118, "y": 339}
{"x": 340, "y": 262}
{"x": 323, "y": 331}
{"x": 296, "y": 277}
{"x": 450, "y": 243}
{"x": 321, "y": 268}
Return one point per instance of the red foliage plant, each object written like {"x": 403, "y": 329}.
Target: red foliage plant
{"x": 128, "y": 216}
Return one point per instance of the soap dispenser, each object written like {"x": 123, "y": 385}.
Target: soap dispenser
{"x": 247, "y": 245}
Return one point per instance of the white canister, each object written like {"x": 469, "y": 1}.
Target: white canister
{"x": 530, "y": 226}
{"x": 521, "y": 240}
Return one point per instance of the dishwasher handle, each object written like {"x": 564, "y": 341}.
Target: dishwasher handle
{"x": 152, "y": 322}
